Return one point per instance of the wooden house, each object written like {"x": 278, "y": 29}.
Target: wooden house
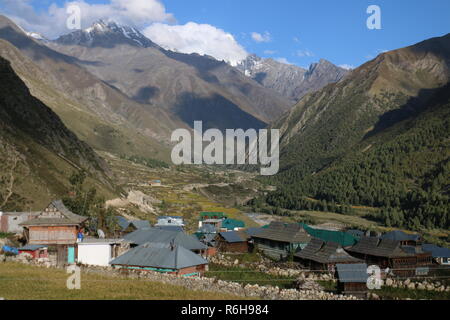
{"x": 237, "y": 241}
{"x": 440, "y": 255}
{"x": 321, "y": 255}
{"x": 232, "y": 241}
{"x": 352, "y": 279}
{"x": 279, "y": 239}
{"x": 387, "y": 253}
{"x": 162, "y": 257}
{"x": 405, "y": 239}
{"x": 58, "y": 228}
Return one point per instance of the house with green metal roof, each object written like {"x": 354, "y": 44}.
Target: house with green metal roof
{"x": 344, "y": 239}
{"x": 232, "y": 225}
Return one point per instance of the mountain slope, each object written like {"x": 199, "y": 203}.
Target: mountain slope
{"x": 291, "y": 81}
{"x": 379, "y": 137}
{"x": 97, "y": 112}
{"x": 38, "y": 153}
{"x": 193, "y": 87}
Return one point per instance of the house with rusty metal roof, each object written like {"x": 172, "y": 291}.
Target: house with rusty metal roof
{"x": 387, "y": 253}
{"x": 321, "y": 255}
{"x": 162, "y": 257}
{"x": 279, "y": 240}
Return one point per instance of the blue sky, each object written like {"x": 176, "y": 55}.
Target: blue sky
{"x": 303, "y": 31}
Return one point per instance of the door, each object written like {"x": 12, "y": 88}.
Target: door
{"x": 71, "y": 255}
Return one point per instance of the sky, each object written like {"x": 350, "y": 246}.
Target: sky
{"x": 299, "y": 32}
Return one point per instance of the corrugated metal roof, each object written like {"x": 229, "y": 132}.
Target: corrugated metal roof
{"x": 32, "y": 247}
{"x": 160, "y": 255}
{"x": 171, "y": 228}
{"x": 343, "y": 238}
{"x": 70, "y": 218}
{"x": 233, "y": 236}
{"x": 436, "y": 251}
{"x": 122, "y": 222}
{"x": 283, "y": 232}
{"x": 232, "y": 224}
{"x": 379, "y": 247}
{"x": 398, "y": 235}
{"x": 156, "y": 235}
{"x": 140, "y": 224}
{"x": 352, "y": 272}
{"x": 325, "y": 252}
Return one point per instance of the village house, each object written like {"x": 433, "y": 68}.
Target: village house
{"x": 237, "y": 241}
{"x": 352, "y": 279}
{"x": 127, "y": 226}
{"x": 168, "y": 221}
{"x": 321, "y": 255}
{"x": 58, "y": 228}
{"x": 162, "y": 257}
{"x": 440, "y": 255}
{"x": 10, "y": 221}
{"x": 279, "y": 239}
{"x": 35, "y": 250}
{"x": 155, "y": 235}
{"x": 155, "y": 183}
{"x": 100, "y": 252}
{"x": 231, "y": 225}
{"x": 232, "y": 241}
{"x": 404, "y": 238}
{"x": 387, "y": 253}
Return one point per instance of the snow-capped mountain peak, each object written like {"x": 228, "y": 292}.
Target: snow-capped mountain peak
{"x": 106, "y": 33}
{"x": 36, "y": 36}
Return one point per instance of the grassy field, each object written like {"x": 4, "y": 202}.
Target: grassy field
{"x": 22, "y": 282}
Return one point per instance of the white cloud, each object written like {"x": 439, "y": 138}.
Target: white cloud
{"x": 305, "y": 53}
{"x": 197, "y": 38}
{"x": 52, "y": 23}
{"x": 258, "y": 37}
{"x": 347, "y": 66}
{"x": 296, "y": 39}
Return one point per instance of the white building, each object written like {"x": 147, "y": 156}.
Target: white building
{"x": 170, "y": 221}
{"x": 99, "y": 252}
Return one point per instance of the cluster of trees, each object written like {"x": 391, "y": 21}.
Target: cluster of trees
{"x": 404, "y": 171}
{"x": 85, "y": 202}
